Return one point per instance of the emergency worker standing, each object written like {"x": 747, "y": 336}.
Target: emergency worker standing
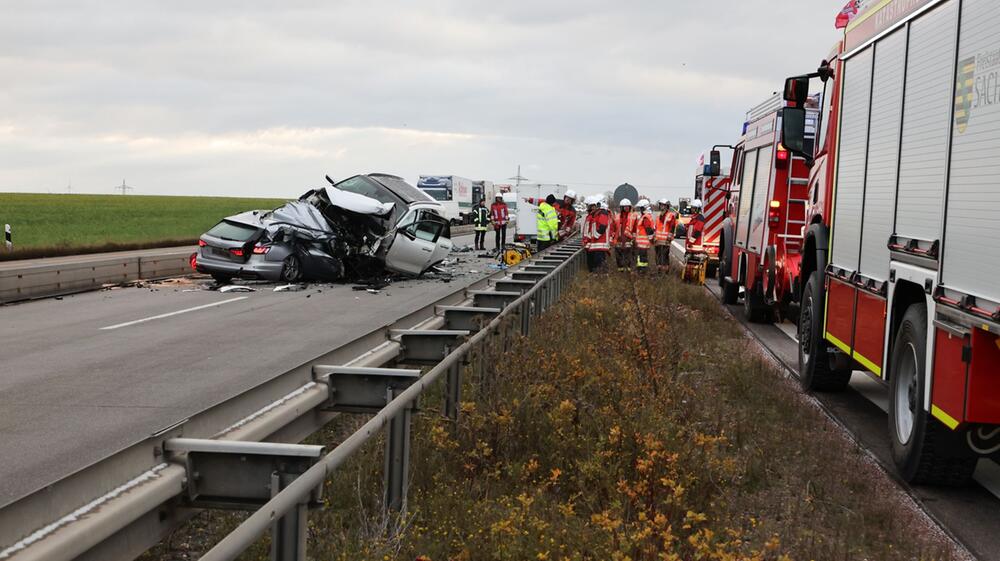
{"x": 499, "y": 216}
{"x": 665, "y": 224}
{"x": 625, "y": 236}
{"x": 567, "y": 214}
{"x": 547, "y": 221}
{"x": 596, "y": 234}
{"x": 480, "y": 220}
{"x": 696, "y": 227}
{"x": 644, "y": 230}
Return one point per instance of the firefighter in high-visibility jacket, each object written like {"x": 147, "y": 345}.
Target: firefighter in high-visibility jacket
{"x": 547, "y": 221}
{"x": 644, "y": 230}
{"x": 695, "y": 228}
{"x": 665, "y": 224}
{"x": 596, "y": 235}
{"x": 625, "y": 236}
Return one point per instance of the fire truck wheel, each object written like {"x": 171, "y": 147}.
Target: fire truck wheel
{"x": 924, "y": 450}
{"x": 815, "y": 371}
{"x": 755, "y": 308}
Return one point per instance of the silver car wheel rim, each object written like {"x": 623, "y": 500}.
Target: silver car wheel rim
{"x": 906, "y": 394}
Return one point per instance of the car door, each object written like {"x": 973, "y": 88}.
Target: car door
{"x": 414, "y": 244}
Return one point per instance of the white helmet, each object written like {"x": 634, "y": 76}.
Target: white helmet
{"x": 625, "y": 202}
{"x": 604, "y": 203}
{"x": 592, "y": 200}
{"x": 643, "y": 203}
{"x": 663, "y": 202}
{"x": 571, "y": 194}
{"x": 695, "y": 203}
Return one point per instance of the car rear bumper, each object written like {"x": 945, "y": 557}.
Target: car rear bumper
{"x": 255, "y": 268}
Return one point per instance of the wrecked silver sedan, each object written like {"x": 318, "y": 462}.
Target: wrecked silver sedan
{"x": 358, "y": 228}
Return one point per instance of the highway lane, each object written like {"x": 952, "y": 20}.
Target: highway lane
{"x": 971, "y": 514}
{"x": 72, "y": 393}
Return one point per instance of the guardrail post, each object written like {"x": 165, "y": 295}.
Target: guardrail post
{"x": 288, "y": 535}
{"x": 453, "y": 390}
{"x": 397, "y": 457}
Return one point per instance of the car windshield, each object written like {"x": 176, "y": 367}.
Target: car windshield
{"x": 232, "y": 231}
{"x": 437, "y": 193}
{"x": 401, "y": 188}
{"x": 364, "y": 186}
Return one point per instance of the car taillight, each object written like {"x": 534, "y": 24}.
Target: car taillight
{"x": 202, "y": 243}
{"x": 238, "y": 252}
{"x": 194, "y": 261}
{"x": 774, "y": 216}
{"x": 261, "y": 249}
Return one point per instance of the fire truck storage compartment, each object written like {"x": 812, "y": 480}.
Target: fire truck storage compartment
{"x": 761, "y": 188}
{"x": 971, "y": 248}
{"x": 883, "y": 155}
{"x": 746, "y": 197}
{"x": 966, "y": 383}
{"x": 840, "y": 313}
{"x": 926, "y": 122}
{"x": 869, "y": 329}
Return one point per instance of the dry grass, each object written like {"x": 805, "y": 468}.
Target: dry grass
{"x": 637, "y": 423}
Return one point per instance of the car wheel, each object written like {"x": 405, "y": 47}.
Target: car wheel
{"x": 290, "y": 269}
{"x": 923, "y": 448}
{"x": 221, "y": 279}
{"x": 815, "y": 371}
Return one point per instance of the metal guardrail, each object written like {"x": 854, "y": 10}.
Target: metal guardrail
{"x": 292, "y": 500}
{"x": 132, "y": 499}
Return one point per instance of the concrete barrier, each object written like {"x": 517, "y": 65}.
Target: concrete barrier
{"x": 37, "y": 278}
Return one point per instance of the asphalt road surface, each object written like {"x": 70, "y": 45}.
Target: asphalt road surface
{"x": 84, "y": 376}
{"x": 971, "y": 514}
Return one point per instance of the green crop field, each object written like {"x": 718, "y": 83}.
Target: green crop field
{"x": 60, "y": 224}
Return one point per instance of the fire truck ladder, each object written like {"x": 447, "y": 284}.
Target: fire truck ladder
{"x": 795, "y": 214}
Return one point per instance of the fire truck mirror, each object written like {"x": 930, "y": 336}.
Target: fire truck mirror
{"x": 714, "y": 164}
{"x": 797, "y": 89}
{"x": 793, "y": 130}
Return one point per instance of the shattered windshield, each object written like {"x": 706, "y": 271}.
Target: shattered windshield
{"x": 362, "y": 185}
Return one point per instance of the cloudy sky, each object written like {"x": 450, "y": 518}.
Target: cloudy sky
{"x": 263, "y": 98}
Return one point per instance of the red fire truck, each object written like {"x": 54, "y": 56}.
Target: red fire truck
{"x": 901, "y": 254}
{"x": 711, "y": 187}
{"x": 762, "y": 241}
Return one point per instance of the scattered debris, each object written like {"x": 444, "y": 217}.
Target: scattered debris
{"x": 372, "y": 291}
{"x": 289, "y": 288}
{"x": 236, "y": 288}
{"x": 463, "y": 249}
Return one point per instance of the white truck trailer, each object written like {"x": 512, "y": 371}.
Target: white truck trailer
{"x": 453, "y": 192}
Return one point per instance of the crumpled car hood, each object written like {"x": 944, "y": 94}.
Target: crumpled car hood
{"x": 299, "y": 216}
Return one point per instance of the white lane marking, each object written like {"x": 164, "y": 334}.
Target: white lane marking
{"x": 178, "y": 312}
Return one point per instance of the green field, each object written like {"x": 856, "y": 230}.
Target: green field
{"x": 60, "y": 224}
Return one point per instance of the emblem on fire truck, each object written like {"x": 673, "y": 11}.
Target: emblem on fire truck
{"x": 964, "y": 92}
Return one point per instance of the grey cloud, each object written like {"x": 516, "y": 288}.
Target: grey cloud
{"x": 583, "y": 90}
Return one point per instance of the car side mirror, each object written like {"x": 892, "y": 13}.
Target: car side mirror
{"x": 793, "y": 131}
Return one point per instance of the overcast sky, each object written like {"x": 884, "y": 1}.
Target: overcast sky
{"x": 263, "y": 98}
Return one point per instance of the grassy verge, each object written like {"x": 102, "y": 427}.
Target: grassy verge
{"x": 50, "y": 225}
{"x": 637, "y": 423}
